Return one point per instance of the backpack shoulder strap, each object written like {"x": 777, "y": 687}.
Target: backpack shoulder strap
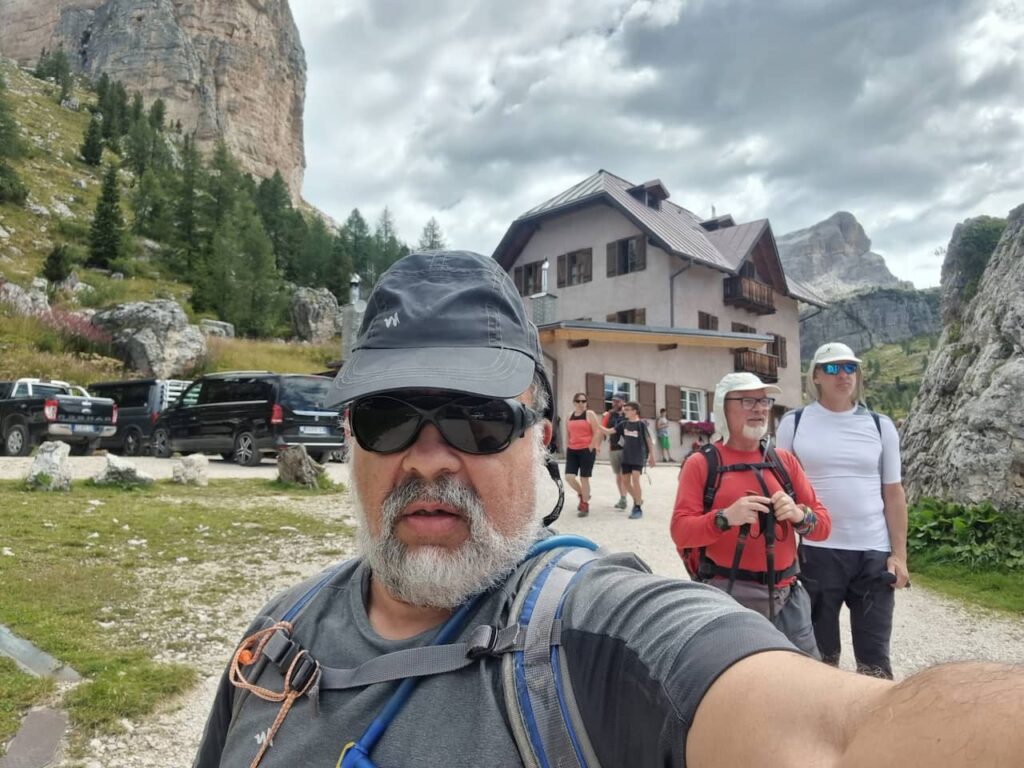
{"x": 710, "y": 454}
{"x": 546, "y": 722}
{"x": 797, "y": 415}
{"x": 779, "y": 469}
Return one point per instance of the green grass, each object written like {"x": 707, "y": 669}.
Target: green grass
{"x": 893, "y": 374}
{"x": 997, "y": 590}
{"x": 256, "y": 355}
{"x": 84, "y": 582}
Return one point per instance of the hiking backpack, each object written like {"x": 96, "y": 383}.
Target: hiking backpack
{"x": 546, "y": 723}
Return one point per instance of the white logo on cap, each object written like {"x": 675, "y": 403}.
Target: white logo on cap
{"x": 391, "y": 322}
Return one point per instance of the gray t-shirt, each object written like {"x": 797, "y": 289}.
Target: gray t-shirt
{"x": 642, "y": 651}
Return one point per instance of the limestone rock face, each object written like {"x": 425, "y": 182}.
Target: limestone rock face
{"x": 964, "y": 436}
{"x": 31, "y": 302}
{"x": 878, "y": 316}
{"x": 154, "y": 337}
{"x": 315, "y": 315}
{"x": 235, "y": 70}
{"x": 834, "y": 258}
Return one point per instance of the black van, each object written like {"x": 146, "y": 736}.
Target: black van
{"x": 139, "y": 403}
{"x": 244, "y": 414}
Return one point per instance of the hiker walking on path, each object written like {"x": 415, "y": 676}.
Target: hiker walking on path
{"x": 664, "y": 443}
{"x": 739, "y": 507}
{"x": 637, "y": 451}
{"x": 852, "y": 457}
{"x": 610, "y": 420}
{"x": 467, "y": 634}
{"x": 583, "y": 437}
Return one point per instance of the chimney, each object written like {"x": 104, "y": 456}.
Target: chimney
{"x": 351, "y": 318}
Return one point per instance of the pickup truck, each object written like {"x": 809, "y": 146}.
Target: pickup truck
{"x": 35, "y": 410}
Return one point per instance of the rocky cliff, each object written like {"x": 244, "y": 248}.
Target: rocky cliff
{"x": 874, "y": 316}
{"x": 964, "y": 436}
{"x": 235, "y": 70}
{"x": 834, "y": 258}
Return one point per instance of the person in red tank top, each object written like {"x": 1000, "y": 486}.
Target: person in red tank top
{"x": 584, "y": 435}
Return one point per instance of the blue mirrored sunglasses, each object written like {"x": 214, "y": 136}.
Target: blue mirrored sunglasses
{"x": 832, "y": 369}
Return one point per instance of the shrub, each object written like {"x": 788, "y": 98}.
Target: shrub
{"x": 58, "y": 264}
{"x": 978, "y": 536}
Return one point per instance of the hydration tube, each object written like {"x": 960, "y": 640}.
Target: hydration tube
{"x": 356, "y": 754}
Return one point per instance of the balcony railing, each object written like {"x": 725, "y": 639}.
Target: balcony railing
{"x": 766, "y": 367}
{"x": 752, "y": 295}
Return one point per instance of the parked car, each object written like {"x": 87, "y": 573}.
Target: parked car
{"x": 243, "y": 415}
{"x": 139, "y": 403}
{"x": 35, "y": 410}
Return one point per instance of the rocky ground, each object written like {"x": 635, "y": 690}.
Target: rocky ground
{"x": 928, "y": 628}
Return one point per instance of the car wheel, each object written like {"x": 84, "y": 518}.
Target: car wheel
{"x": 246, "y": 453}
{"x": 132, "y": 442}
{"x": 84, "y": 449}
{"x": 16, "y": 440}
{"x": 161, "y": 443}
{"x": 317, "y": 456}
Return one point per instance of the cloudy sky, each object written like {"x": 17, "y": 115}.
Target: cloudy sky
{"x": 909, "y": 114}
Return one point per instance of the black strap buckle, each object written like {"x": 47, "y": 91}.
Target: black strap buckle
{"x": 301, "y": 672}
{"x": 482, "y": 641}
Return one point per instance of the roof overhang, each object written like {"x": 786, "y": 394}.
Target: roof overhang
{"x": 622, "y": 333}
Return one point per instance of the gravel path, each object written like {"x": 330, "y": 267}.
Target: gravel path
{"x": 928, "y": 628}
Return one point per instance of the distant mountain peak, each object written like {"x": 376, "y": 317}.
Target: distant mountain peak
{"x": 834, "y": 258}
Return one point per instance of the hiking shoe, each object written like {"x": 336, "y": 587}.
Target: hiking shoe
{"x": 637, "y": 512}
{"x": 584, "y": 509}
{"x": 621, "y": 503}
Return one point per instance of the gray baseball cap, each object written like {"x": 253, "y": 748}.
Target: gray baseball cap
{"x": 448, "y": 320}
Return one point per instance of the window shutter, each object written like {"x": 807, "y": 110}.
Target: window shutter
{"x": 782, "y": 351}
{"x": 709, "y": 405}
{"x": 586, "y": 265}
{"x": 714, "y": 323}
{"x": 610, "y": 252}
{"x": 641, "y": 252}
{"x": 518, "y": 278}
{"x": 641, "y": 316}
{"x": 673, "y": 403}
{"x": 612, "y": 318}
{"x": 561, "y": 270}
{"x": 645, "y": 392}
{"x": 595, "y": 392}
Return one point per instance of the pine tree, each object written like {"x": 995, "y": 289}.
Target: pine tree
{"x": 387, "y": 248}
{"x": 274, "y": 206}
{"x": 106, "y": 236}
{"x": 432, "y": 238}
{"x": 185, "y": 215}
{"x": 157, "y": 114}
{"x": 102, "y": 87}
{"x": 137, "y": 109}
{"x": 58, "y": 264}
{"x": 315, "y": 255}
{"x": 138, "y": 147}
{"x": 151, "y": 209}
{"x": 12, "y": 190}
{"x": 92, "y": 147}
{"x": 359, "y": 244}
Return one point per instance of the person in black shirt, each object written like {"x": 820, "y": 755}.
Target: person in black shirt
{"x": 637, "y": 450}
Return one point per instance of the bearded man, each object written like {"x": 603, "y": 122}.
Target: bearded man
{"x": 448, "y": 402}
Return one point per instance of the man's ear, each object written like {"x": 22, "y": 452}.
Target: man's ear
{"x": 548, "y": 431}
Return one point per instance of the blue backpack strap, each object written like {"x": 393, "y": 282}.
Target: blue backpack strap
{"x": 546, "y": 722}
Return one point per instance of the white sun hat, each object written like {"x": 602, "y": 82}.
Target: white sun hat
{"x": 736, "y": 382}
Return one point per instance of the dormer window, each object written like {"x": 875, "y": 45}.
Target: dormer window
{"x": 650, "y": 193}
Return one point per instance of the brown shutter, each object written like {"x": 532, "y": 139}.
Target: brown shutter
{"x": 645, "y": 393}
{"x": 518, "y": 277}
{"x": 561, "y": 270}
{"x": 714, "y": 323}
{"x": 610, "y": 252}
{"x": 595, "y": 392}
{"x": 709, "y": 404}
{"x": 641, "y": 252}
{"x": 612, "y": 318}
{"x": 587, "y": 265}
{"x": 641, "y": 316}
{"x": 673, "y": 403}
{"x": 782, "y": 351}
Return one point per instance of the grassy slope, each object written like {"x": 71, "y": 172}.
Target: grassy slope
{"x": 49, "y": 168}
{"x": 894, "y": 373}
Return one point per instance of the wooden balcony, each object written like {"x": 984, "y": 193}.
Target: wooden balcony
{"x": 750, "y": 295}
{"x": 765, "y": 367}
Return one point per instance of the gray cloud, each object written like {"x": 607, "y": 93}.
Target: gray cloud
{"x": 910, "y": 115}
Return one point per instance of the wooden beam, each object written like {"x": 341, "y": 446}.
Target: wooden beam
{"x": 667, "y": 347}
{"x": 577, "y": 343}
{"x": 594, "y": 335}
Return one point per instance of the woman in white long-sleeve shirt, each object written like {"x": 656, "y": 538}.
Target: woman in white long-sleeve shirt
{"x": 852, "y": 458}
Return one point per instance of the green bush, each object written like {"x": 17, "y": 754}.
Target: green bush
{"x": 977, "y": 536}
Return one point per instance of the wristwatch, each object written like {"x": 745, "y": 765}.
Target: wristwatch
{"x": 807, "y": 524}
{"x": 721, "y": 521}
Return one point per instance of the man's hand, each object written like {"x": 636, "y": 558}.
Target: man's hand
{"x": 786, "y": 509}
{"x": 651, "y": 462}
{"x": 898, "y": 568}
{"x": 744, "y": 510}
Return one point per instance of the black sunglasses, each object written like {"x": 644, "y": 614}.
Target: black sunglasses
{"x": 471, "y": 424}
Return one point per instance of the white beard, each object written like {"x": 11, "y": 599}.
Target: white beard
{"x": 755, "y": 433}
{"x": 434, "y": 576}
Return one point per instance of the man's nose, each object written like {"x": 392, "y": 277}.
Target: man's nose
{"x": 430, "y": 456}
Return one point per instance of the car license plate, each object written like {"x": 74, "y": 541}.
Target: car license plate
{"x": 313, "y": 430}
{"x": 85, "y": 428}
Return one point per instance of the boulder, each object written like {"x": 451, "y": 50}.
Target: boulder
{"x": 191, "y": 470}
{"x": 37, "y": 209}
{"x": 315, "y": 315}
{"x": 3, "y": 234}
{"x": 62, "y": 210}
{"x": 294, "y": 466}
{"x": 122, "y": 473}
{"x": 963, "y": 440}
{"x": 153, "y": 337}
{"x": 50, "y": 470}
{"x": 23, "y": 302}
{"x": 217, "y": 328}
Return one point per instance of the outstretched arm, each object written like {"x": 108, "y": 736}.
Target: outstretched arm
{"x": 791, "y": 710}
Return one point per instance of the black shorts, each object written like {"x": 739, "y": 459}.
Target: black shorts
{"x": 580, "y": 462}
{"x": 630, "y": 468}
